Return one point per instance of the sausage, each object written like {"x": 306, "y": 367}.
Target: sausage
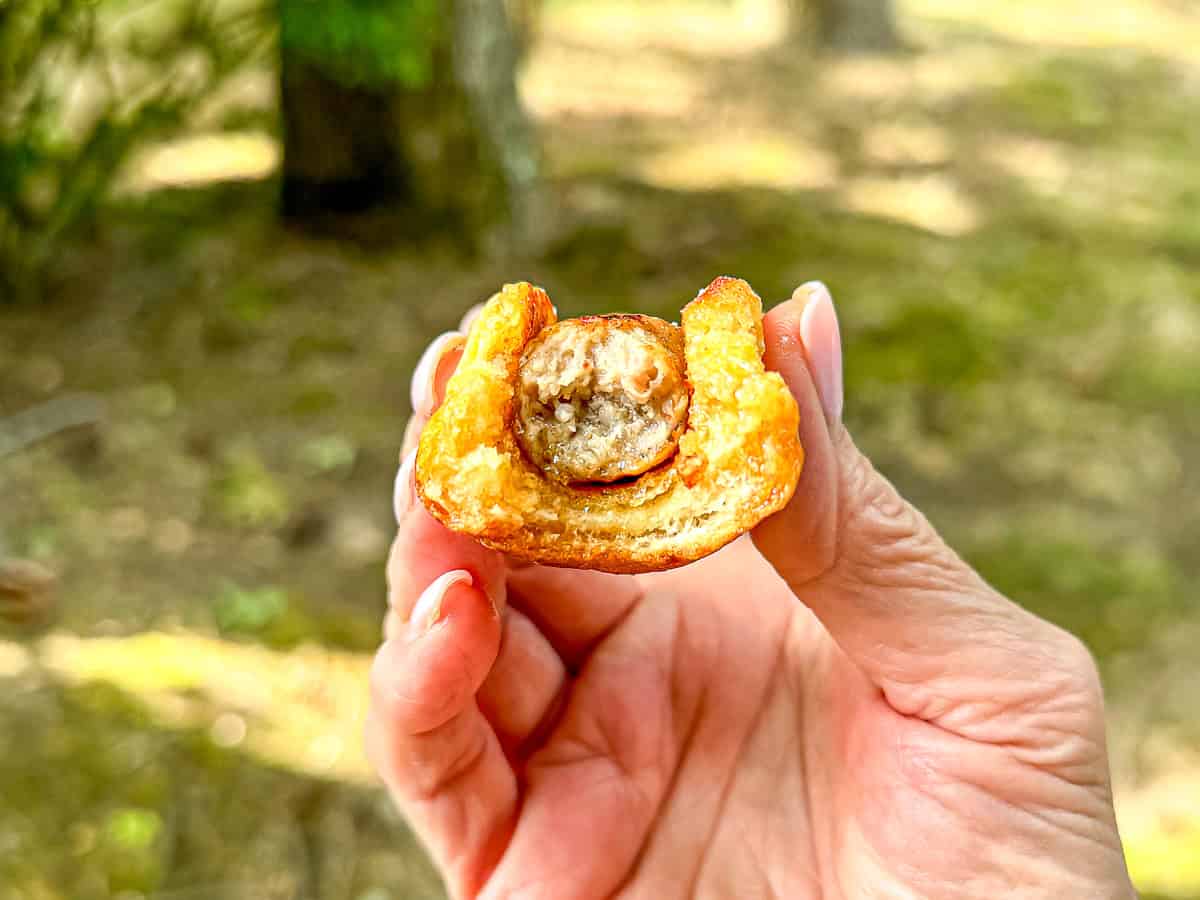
{"x": 602, "y": 398}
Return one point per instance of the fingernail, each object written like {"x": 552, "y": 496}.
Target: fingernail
{"x": 428, "y": 608}
{"x": 469, "y": 318}
{"x": 391, "y": 625}
{"x": 823, "y": 345}
{"x": 404, "y": 489}
{"x": 412, "y": 433}
{"x": 424, "y": 399}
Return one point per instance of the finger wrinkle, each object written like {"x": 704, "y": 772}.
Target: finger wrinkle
{"x": 525, "y": 685}
{"x": 639, "y": 595}
{"x": 400, "y": 678}
{"x": 886, "y": 543}
{"x": 433, "y": 772}
{"x": 556, "y": 601}
{"x": 549, "y": 721}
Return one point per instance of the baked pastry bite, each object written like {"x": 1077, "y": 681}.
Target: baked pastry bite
{"x": 620, "y": 443}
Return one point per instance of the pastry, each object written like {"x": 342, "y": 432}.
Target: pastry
{"x": 620, "y": 443}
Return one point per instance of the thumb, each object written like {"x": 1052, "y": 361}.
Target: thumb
{"x": 919, "y": 621}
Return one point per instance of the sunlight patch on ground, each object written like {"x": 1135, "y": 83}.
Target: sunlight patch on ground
{"x": 1175, "y": 322}
{"x": 1160, "y": 828}
{"x": 761, "y": 160}
{"x": 561, "y": 80}
{"x": 1087, "y": 183}
{"x": 14, "y": 659}
{"x": 737, "y": 28}
{"x": 869, "y": 78}
{"x": 945, "y": 74}
{"x": 1093, "y": 183}
{"x": 906, "y": 144}
{"x": 1169, "y": 28}
{"x": 1043, "y": 163}
{"x": 933, "y": 202}
{"x": 302, "y": 710}
{"x": 203, "y": 160}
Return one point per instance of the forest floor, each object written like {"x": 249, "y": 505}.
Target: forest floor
{"x": 1008, "y": 215}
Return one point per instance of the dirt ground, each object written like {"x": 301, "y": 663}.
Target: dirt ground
{"x": 1008, "y": 215}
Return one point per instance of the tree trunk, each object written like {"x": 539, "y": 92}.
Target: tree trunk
{"x": 485, "y": 55}
{"x": 525, "y": 18}
{"x": 457, "y": 153}
{"x": 340, "y": 153}
{"x": 855, "y": 25}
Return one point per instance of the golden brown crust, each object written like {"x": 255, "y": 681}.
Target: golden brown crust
{"x": 738, "y": 460}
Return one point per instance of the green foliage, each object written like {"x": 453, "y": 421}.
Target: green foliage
{"x": 248, "y": 495}
{"x": 271, "y": 615}
{"x": 329, "y": 453}
{"x": 363, "y": 42}
{"x": 1113, "y": 598}
{"x": 249, "y": 610}
{"x": 81, "y": 86}
{"x": 129, "y": 849}
{"x": 924, "y": 343}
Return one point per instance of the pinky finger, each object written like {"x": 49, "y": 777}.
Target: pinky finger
{"x": 427, "y": 738}
{"x": 429, "y": 380}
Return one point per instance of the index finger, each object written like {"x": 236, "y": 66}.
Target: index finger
{"x": 445, "y": 360}
{"x": 429, "y": 380}
{"x": 424, "y": 548}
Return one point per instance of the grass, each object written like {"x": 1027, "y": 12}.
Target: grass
{"x": 112, "y": 793}
{"x": 1007, "y": 216}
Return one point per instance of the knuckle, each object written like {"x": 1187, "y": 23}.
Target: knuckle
{"x": 415, "y": 688}
{"x": 429, "y": 775}
{"x": 874, "y": 512}
{"x": 438, "y": 694}
{"x": 883, "y": 537}
{"x": 884, "y": 541}
{"x": 1079, "y": 666}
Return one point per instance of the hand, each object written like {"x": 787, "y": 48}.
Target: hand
{"x": 840, "y": 707}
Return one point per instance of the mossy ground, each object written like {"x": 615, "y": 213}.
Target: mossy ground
{"x": 1008, "y": 215}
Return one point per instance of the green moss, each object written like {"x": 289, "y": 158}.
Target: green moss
{"x": 241, "y": 610}
{"x": 926, "y": 344}
{"x": 247, "y": 494}
{"x": 309, "y": 402}
{"x": 372, "y": 42}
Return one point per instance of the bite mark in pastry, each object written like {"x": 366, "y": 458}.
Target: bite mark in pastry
{"x": 620, "y": 443}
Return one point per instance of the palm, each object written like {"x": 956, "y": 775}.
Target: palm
{"x": 676, "y": 769}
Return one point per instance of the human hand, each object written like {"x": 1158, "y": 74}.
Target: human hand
{"x": 839, "y": 707}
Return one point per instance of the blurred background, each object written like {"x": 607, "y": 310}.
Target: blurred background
{"x": 228, "y": 228}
